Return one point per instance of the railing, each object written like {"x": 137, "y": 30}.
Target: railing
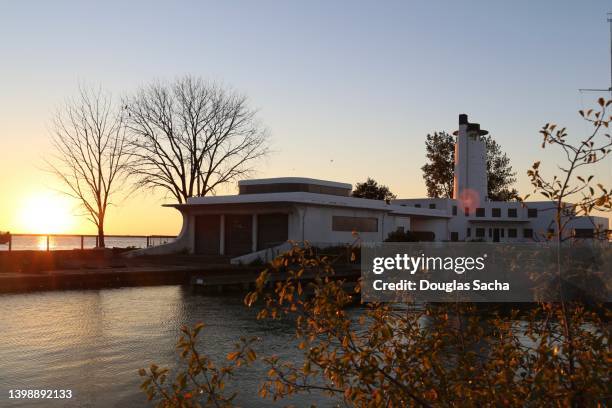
{"x": 44, "y": 242}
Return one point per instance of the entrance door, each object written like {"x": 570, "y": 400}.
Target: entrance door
{"x": 238, "y": 234}
{"x": 207, "y": 230}
{"x": 495, "y": 234}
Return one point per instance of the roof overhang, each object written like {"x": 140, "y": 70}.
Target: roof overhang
{"x": 305, "y": 198}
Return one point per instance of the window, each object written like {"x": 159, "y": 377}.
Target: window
{"x": 502, "y": 231}
{"x": 532, "y": 212}
{"x": 468, "y": 232}
{"x": 496, "y": 212}
{"x": 467, "y": 211}
{"x": 480, "y": 232}
{"x": 454, "y": 210}
{"x": 292, "y": 187}
{"x": 432, "y": 206}
{"x": 511, "y": 232}
{"x": 480, "y": 212}
{"x": 527, "y": 233}
{"x": 361, "y": 224}
{"x": 512, "y": 212}
{"x": 584, "y": 233}
{"x": 417, "y": 205}
{"x": 454, "y": 236}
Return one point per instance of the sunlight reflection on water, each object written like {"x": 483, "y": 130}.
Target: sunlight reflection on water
{"x": 93, "y": 342}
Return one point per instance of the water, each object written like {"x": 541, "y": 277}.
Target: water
{"x": 62, "y": 242}
{"x": 93, "y": 342}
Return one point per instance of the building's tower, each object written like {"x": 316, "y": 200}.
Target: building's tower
{"x": 470, "y": 182}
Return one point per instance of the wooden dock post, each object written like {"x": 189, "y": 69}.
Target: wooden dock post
{"x": 82, "y": 242}
{"x": 47, "y": 243}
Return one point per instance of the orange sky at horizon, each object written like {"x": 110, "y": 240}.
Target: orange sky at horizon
{"x": 38, "y": 207}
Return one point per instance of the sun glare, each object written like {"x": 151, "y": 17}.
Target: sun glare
{"x": 46, "y": 213}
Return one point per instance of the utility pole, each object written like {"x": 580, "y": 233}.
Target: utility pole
{"x": 610, "y": 88}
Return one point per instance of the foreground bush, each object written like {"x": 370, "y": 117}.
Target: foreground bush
{"x": 440, "y": 355}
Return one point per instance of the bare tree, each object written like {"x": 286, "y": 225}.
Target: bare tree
{"x": 576, "y": 198}
{"x": 190, "y": 137}
{"x": 91, "y": 153}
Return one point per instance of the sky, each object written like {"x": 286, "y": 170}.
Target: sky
{"x": 347, "y": 89}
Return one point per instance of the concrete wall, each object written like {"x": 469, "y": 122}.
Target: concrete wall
{"x": 439, "y": 226}
{"x": 314, "y": 224}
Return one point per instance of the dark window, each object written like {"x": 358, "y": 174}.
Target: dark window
{"x": 532, "y": 212}
{"x": 432, "y": 206}
{"x": 584, "y": 233}
{"x": 496, "y": 212}
{"x": 480, "y": 212}
{"x": 480, "y": 232}
{"x": 502, "y": 231}
{"x": 291, "y": 187}
{"x": 512, "y": 212}
{"x": 490, "y": 232}
{"x": 238, "y": 234}
{"x": 272, "y": 230}
{"x": 469, "y": 232}
{"x": 207, "y": 234}
{"x": 417, "y": 205}
{"x": 360, "y": 224}
{"x": 454, "y": 210}
{"x": 511, "y": 232}
{"x": 527, "y": 233}
{"x": 454, "y": 236}
{"x": 467, "y": 211}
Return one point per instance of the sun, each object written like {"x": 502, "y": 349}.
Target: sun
{"x": 46, "y": 213}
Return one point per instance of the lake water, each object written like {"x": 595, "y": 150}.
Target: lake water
{"x": 93, "y": 342}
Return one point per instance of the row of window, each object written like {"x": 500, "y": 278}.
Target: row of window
{"x": 512, "y": 232}
{"x": 432, "y": 206}
{"x": 497, "y": 213}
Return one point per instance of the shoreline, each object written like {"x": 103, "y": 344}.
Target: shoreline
{"x": 32, "y": 271}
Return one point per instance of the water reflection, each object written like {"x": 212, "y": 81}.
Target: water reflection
{"x": 93, "y": 342}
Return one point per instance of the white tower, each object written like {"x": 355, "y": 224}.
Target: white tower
{"x": 470, "y": 182}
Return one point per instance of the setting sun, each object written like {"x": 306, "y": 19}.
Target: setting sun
{"x": 46, "y": 213}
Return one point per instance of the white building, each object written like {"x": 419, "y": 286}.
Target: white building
{"x": 268, "y": 212}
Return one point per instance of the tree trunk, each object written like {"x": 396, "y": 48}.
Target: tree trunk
{"x": 101, "y": 243}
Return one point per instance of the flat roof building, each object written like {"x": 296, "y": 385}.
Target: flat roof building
{"x": 266, "y": 213}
